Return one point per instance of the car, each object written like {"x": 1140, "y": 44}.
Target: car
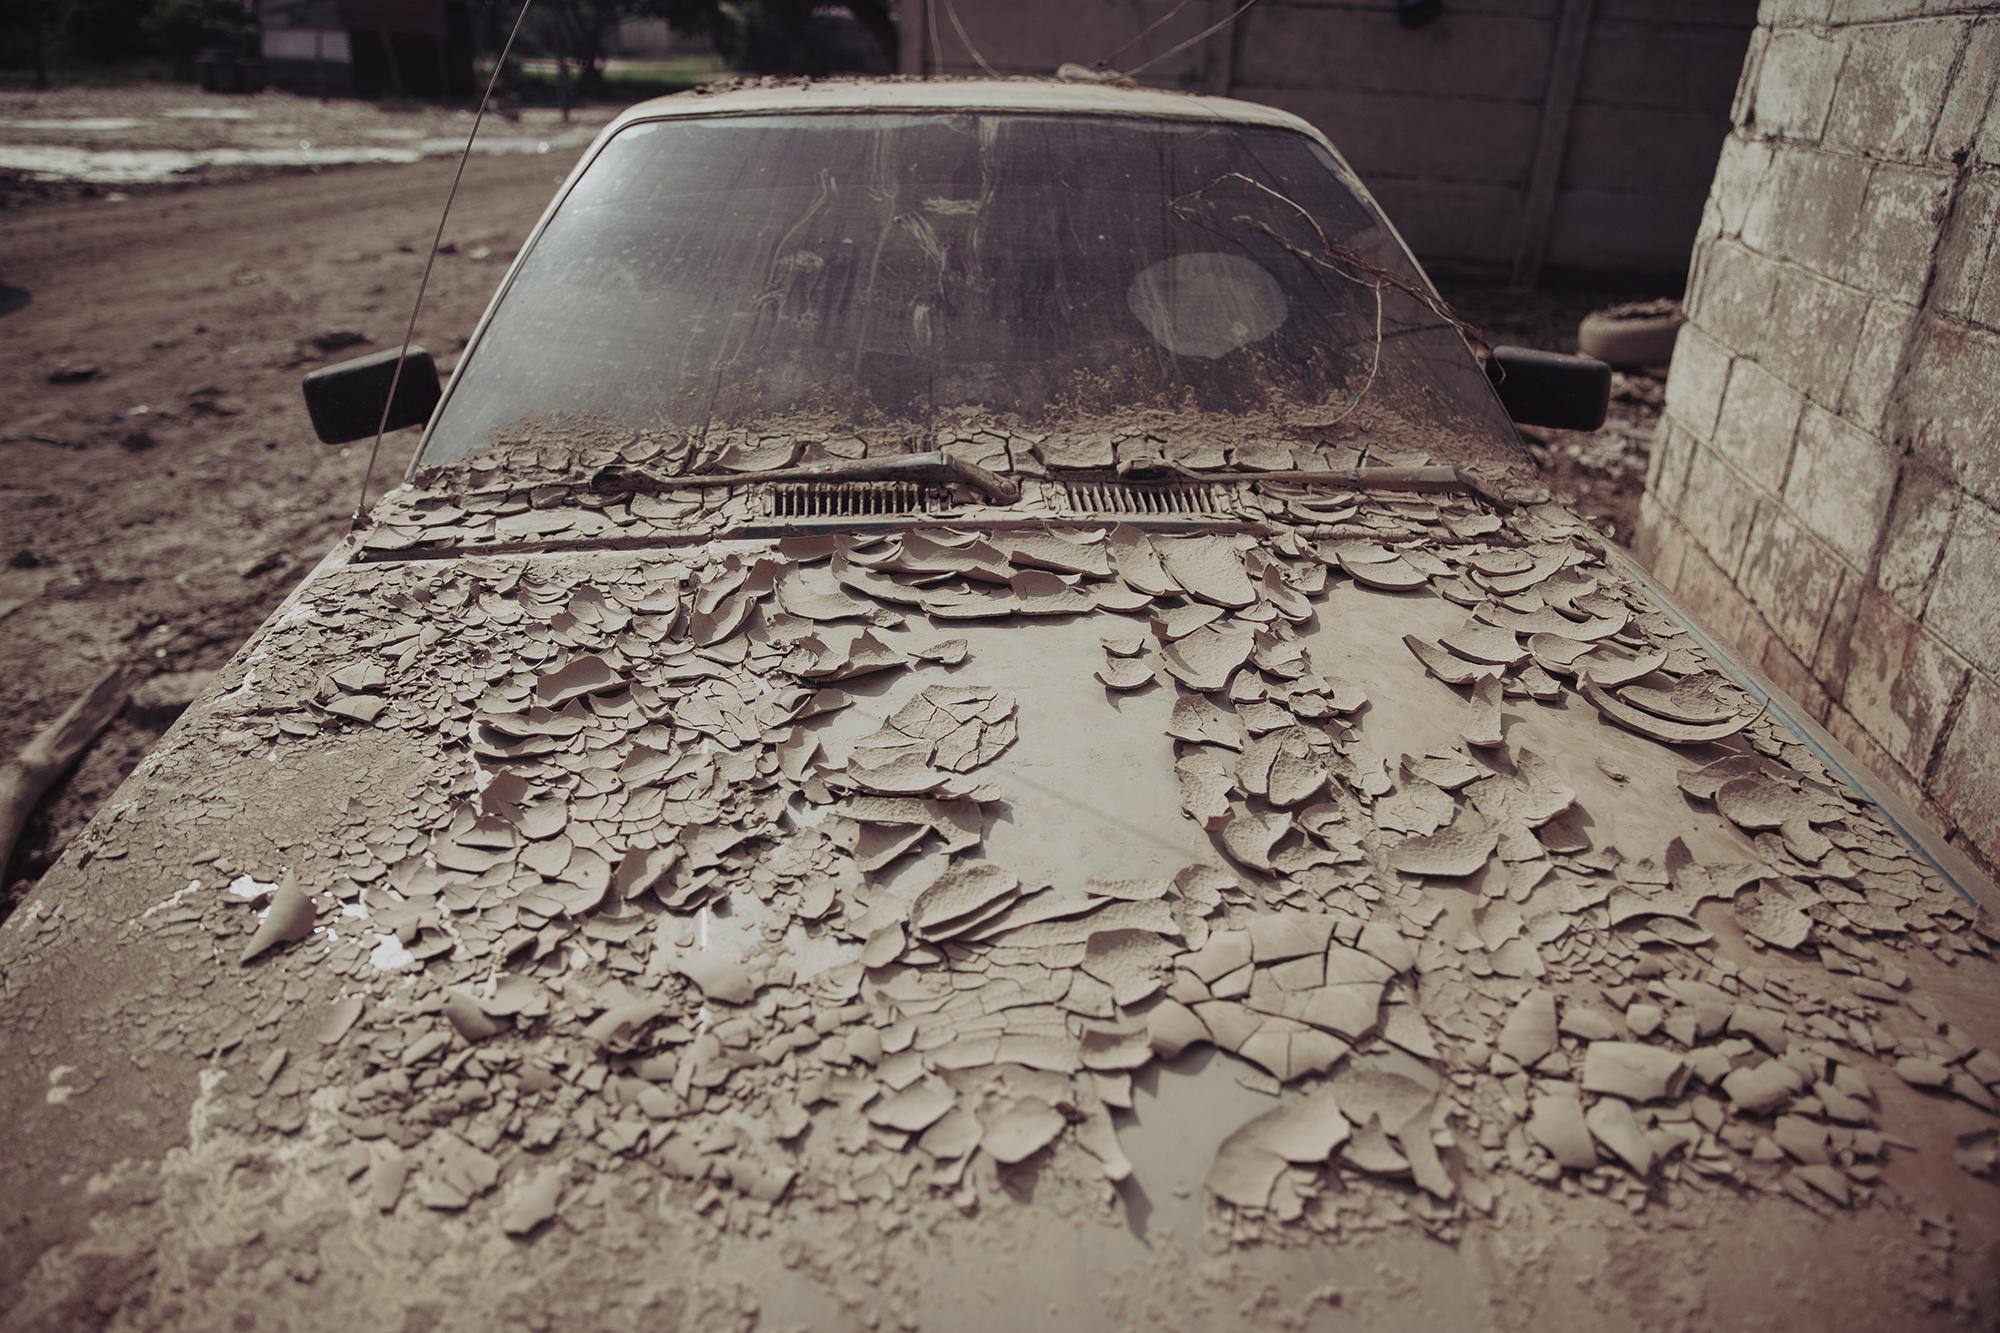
{"x": 972, "y": 716}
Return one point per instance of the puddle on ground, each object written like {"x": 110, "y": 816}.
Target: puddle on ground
{"x": 77, "y": 124}
{"x": 141, "y": 166}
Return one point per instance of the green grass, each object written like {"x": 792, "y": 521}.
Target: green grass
{"x": 669, "y": 75}
{"x": 628, "y": 81}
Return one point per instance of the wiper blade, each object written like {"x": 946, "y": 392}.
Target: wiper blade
{"x": 623, "y": 478}
{"x": 1434, "y": 477}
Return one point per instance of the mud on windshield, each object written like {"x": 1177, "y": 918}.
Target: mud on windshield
{"x": 896, "y": 271}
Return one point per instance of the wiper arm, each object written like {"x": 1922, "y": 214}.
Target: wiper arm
{"x": 623, "y": 478}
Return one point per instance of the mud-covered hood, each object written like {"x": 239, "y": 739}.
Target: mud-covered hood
{"x": 1388, "y": 916}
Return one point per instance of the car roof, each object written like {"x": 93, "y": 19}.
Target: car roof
{"x": 1039, "y": 96}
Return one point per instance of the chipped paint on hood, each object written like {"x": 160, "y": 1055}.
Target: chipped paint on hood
{"x": 1386, "y": 874}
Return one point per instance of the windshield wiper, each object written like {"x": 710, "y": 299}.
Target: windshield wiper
{"x": 623, "y": 478}
{"x": 1434, "y": 477}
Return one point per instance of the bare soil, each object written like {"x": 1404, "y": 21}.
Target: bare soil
{"x": 155, "y": 507}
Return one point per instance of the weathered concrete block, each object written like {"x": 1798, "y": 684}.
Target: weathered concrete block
{"x": 1986, "y": 149}
{"x": 1742, "y": 171}
{"x": 1870, "y": 11}
{"x": 1892, "y": 85}
{"x": 1675, "y": 448}
{"x": 1696, "y": 380}
{"x": 1656, "y": 464}
{"x": 1963, "y": 610}
{"x": 1970, "y": 94}
{"x": 1878, "y": 762}
{"x": 1918, "y": 523}
{"x": 1947, "y": 406}
{"x": 1783, "y": 668}
{"x": 1659, "y": 542}
{"x": 1662, "y": 439}
{"x": 1759, "y": 418}
{"x": 1966, "y": 286}
{"x": 1809, "y": 208}
{"x": 1795, "y": 84}
{"x": 1714, "y": 598}
{"x": 1967, "y": 781}
{"x": 1891, "y": 253}
{"x": 1825, "y": 483}
{"x": 1791, "y": 578}
{"x": 1831, "y": 660}
{"x": 1704, "y": 243}
{"x": 1840, "y": 483}
{"x": 1675, "y": 469}
{"x": 1706, "y": 229}
{"x": 1732, "y": 301}
{"x": 1718, "y": 508}
{"x": 1878, "y": 352}
{"x": 1783, "y": 13}
{"x": 1900, "y": 682}
{"x": 1746, "y": 79}
{"x": 1816, "y": 324}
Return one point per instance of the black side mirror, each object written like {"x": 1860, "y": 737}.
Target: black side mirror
{"x": 1550, "y": 388}
{"x": 345, "y": 400}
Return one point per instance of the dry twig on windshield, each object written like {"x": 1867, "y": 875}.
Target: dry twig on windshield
{"x": 1340, "y": 259}
{"x": 1346, "y": 263}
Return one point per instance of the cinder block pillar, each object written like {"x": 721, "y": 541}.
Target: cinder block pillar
{"x": 1825, "y": 485}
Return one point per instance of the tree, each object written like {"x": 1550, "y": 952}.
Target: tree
{"x": 182, "y": 29}
{"x": 100, "y": 31}
{"x": 584, "y": 27}
{"x": 757, "y": 36}
{"x": 38, "y": 43}
{"x": 783, "y": 36}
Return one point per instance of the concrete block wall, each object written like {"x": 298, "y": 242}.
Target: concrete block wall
{"x": 1444, "y": 121}
{"x": 1825, "y": 488}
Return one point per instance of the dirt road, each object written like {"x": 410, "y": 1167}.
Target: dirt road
{"x": 155, "y": 507}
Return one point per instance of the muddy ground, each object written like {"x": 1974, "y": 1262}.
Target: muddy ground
{"x": 158, "y": 504}
{"x": 160, "y": 489}
{"x": 80, "y": 142}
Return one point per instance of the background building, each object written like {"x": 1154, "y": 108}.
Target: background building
{"x": 369, "y": 48}
{"x": 1501, "y": 135}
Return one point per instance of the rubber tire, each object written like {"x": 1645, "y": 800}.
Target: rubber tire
{"x": 1629, "y": 344}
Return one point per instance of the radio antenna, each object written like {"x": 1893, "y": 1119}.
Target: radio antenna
{"x": 430, "y": 258}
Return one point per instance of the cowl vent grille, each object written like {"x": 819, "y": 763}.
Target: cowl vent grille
{"x": 848, "y": 499}
{"x": 1118, "y": 497}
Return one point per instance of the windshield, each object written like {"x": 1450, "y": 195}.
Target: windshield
{"x": 897, "y": 271}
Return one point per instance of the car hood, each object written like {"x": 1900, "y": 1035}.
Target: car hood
{"x": 1380, "y": 907}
